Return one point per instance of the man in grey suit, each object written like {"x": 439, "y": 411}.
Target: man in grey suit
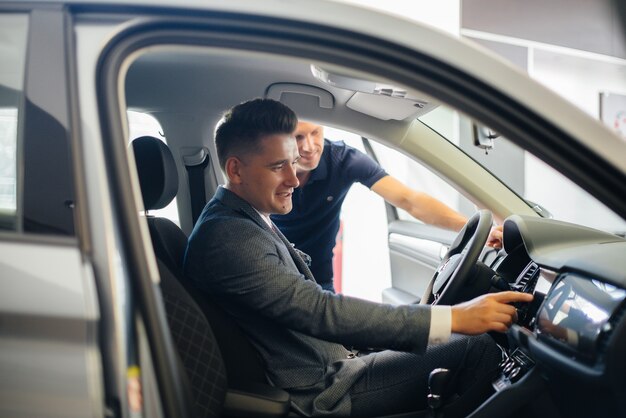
{"x": 237, "y": 256}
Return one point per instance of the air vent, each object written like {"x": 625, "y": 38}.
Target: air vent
{"x": 528, "y": 279}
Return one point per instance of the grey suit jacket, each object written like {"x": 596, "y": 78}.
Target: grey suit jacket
{"x": 299, "y": 329}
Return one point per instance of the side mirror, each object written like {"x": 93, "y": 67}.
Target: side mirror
{"x": 484, "y": 137}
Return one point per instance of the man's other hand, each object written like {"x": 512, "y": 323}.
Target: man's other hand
{"x": 490, "y": 312}
{"x": 495, "y": 237}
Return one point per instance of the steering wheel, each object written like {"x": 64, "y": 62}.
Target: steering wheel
{"x": 455, "y": 267}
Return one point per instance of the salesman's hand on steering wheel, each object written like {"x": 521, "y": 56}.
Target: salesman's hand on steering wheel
{"x": 495, "y": 237}
{"x": 489, "y": 312}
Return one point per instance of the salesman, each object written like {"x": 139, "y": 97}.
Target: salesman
{"x": 326, "y": 170}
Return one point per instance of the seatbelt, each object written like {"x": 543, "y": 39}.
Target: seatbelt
{"x": 195, "y": 165}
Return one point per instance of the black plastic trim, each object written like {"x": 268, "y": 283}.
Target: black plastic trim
{"x": 552, "y": 359}
{"x": 47, "y": 179}
{"x": 512, "y": 398}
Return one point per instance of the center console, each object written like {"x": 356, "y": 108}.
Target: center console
{"x": 512, "y": 369}
{"x": 567, "y": 327}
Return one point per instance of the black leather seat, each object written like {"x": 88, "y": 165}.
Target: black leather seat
{"x": 225, "y": 374}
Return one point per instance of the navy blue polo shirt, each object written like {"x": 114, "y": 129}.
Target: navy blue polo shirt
{"x": 313, "y": 223}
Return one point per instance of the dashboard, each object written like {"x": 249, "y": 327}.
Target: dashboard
{"x": 574, "y": 331}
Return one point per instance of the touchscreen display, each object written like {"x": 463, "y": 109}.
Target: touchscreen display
{"x": 577, "y": 310}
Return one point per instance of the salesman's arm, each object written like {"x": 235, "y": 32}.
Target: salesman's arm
{"x": 426, "y": 208}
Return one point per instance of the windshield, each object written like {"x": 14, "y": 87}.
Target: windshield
{"x": 546, "y": 190}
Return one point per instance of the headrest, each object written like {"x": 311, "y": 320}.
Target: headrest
{"x": 158, "y": 176}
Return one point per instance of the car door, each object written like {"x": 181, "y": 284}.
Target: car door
{"x": 48, "y": 303}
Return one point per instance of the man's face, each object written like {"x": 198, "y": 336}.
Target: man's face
{"x": 310, "y": 139}
{"x": 266, "y": 179}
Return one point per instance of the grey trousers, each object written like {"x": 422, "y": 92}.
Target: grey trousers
{"x": 397, "y": 382}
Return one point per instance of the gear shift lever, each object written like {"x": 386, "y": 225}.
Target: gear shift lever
{"x": 437, "y": 385}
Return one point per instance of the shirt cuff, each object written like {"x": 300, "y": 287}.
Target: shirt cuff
{"x": 440, "y": 324}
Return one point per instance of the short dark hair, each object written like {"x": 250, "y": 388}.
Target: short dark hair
{"x": 245, "y": 124}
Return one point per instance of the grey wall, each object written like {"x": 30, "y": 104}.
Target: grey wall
{"x": 513, "y": 27}
{"x": 588, "y": 25}
{"x": 518, "y": 55}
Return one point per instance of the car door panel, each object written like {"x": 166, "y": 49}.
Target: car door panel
{"x": 48, "y": 332}
{"x": 415, "y": 251}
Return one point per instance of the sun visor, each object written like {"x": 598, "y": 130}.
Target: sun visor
{"x": 388, "y": 107}
{"x": 277, "y": 91}
{"x": 379, "y": 100}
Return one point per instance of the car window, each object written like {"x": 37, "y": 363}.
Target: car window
{"x": 409, "y": 172}
{"x": 550, "y": 193}
{"x": 13, "y": 33}
{"x": 421, "y": 179}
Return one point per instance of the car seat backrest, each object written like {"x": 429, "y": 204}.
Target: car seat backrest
{"x": 158, "y": 178}
{"x": 195, "y": 342}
